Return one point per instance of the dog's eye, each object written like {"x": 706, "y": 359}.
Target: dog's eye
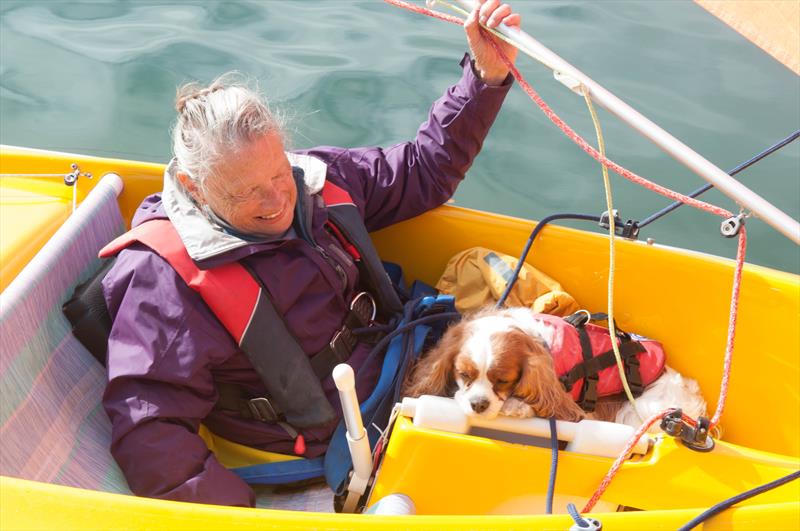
{"x": 503, "y": 382}
{"x": 464, "y": 376}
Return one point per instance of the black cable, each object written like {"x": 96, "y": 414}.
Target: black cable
{"x": 664, "y": 211}
{"x": 527, "y": 248}
{"x": 718, "y": 508}
{"x": 384, "y": 342}
{"x": 743, "y": 166}
{"x": 551, "y": 484}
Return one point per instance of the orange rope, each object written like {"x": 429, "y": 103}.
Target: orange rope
{"x": 624, "y": 455}
{"x": 425, "y": 11}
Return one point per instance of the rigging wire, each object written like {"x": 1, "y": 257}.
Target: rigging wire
{"x": 743, "y": 166}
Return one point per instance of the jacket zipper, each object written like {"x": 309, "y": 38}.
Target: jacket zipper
{"x": 305, "y": 234}
{"x": 341, "y": 255}
{"x": 336, "y": 266}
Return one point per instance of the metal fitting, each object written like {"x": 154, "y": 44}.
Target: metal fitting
{"x": 730, "y": 227}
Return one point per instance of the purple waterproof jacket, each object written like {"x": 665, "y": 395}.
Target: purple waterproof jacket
{"x": 166, "y": 350}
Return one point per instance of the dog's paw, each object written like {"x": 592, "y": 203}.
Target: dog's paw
{"x": 514, "y": 407}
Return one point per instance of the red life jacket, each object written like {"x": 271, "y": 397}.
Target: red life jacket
{"x": 585, "y": 364}
{"x": 243, "y": 307}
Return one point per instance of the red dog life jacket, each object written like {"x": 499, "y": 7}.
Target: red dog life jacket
{"x": 585, "y": 363}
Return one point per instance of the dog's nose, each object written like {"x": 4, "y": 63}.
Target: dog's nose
{"x": 479, "y": 405}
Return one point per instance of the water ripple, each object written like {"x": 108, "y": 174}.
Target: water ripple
{"x": 99, "y": 77}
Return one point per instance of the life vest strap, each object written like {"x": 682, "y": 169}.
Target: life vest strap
{"x": 235, "y": 399}
{"x": 629, "y": 350}
{"x": 360, "y": 315}
{"x": 233, "y": 308}
{"x": 588, "y": 397}
{"x": 582, "y": 317}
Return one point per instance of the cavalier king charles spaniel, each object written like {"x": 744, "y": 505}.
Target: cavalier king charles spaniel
{"x": 498, "y": 362}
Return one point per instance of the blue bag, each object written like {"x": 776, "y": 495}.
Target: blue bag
{"x": 423, "y": 322}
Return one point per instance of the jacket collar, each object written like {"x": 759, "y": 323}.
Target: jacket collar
{"x": 204, "y": 235}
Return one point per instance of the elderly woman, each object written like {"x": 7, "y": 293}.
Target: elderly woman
{"x": 233, "y": 197}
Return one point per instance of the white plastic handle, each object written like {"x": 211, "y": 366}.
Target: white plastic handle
{"x": 346, "y": 384}
{"x": 357, "y": 440}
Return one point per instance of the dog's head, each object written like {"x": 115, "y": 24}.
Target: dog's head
{"x": 485, "y": 360}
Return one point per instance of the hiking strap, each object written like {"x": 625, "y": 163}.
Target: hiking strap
{"x": 282, "y": 472}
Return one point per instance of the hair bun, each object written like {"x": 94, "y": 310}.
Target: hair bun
{"x": 192, "y": 91}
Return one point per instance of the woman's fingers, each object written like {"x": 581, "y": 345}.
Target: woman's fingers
{"x": 486, "y": 9}
{"x": 498, "y": 15}
{"x": 512, "y": 20}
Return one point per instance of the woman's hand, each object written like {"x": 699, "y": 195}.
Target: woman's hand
{"x": 487, "y": 61}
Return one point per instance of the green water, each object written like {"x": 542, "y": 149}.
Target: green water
{"x": 99, "y": 78}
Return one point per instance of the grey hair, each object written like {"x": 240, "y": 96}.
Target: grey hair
{"x": 216, "y": 120}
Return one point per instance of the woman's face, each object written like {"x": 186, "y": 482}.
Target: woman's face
{"x": 253, "y": 188}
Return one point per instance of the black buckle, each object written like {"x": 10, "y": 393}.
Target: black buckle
{"x": 261, "y": 409}
{"x": 588, "y": 398}
{"x": 565, "y": 382}
{"x": 341, "y": 344}
{"x": 633, "y": 375}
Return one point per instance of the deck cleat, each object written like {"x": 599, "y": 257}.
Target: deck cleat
{"x": 693, "y": 437}
{"x": 629, "y": 229}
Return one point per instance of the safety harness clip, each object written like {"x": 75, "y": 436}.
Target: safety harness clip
{"x": 262, "y": 409}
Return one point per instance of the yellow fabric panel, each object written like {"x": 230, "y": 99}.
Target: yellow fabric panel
{"x": 477, "y": 277}
{"x": 32, "y": 209}
{"x": 41, "y": 206}
{"x": 772, "y": 25}
{"x": 234, "y": 455}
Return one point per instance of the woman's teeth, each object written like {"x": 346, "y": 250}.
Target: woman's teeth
{"x": 271, "y": 216}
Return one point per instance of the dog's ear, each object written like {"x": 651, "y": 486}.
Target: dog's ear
{"x": 539, "y": 387}
{"x": 434, "y": 373}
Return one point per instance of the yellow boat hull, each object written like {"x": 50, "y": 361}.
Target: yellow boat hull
{"x": 29, "y": 505}
{"x": 680, "y": 297}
